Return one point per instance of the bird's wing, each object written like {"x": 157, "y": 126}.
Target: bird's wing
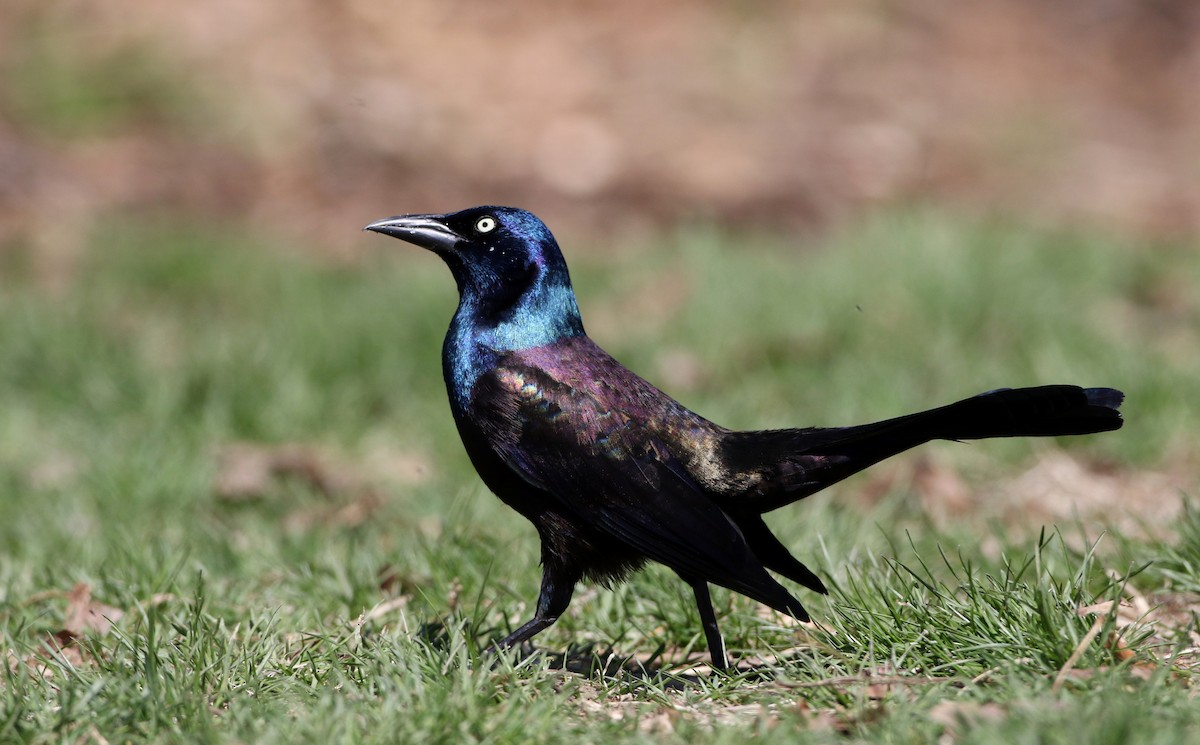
{"x": 617, "y": 477}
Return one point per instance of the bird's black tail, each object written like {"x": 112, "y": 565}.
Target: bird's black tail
{"x": 798, "y": 462}
{"x": 1049, "y": 410}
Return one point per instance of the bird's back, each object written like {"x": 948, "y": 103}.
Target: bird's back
{"x": 577, "y": 381}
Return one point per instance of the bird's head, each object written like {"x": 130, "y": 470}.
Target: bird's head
{"x": 505, "y": 260}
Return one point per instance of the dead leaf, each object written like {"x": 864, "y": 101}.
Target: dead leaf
{"x": 1142, "y": 670}
{"x": 84, "y": 615}
{"x": 394, "y": 580}
{"x": 660, "y": 722}
{"x": 1119, "y": 648}
{"x": 880, "y": 682}
{"x": 247, "y": 471}
{"x": 397, "y": 466}
{"x": 1084, "y": 643}
{"x": 828, "y": 719}
{"x": 1103, "y": 608}
{"x": 953, "y": 714}
{"x": 349, "y": 515}
{"x": 385, "y": 608}
{"x": 66, "y": 645}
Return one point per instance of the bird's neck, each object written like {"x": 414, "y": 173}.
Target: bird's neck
{"x": 480, "y": 334}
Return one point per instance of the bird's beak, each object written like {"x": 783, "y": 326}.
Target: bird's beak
{"x": 426, "y": 231}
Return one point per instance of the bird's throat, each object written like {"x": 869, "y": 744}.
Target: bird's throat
{"x": 478, "y": 338}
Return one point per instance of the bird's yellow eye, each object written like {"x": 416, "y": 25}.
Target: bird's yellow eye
{"x": 485, "y": 224}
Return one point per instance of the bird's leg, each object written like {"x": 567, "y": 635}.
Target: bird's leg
{"x": 708, "y": 618}
{"x": 558, "y": 585}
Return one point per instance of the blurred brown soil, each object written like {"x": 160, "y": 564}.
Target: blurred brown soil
{"x": 316, "y": 117}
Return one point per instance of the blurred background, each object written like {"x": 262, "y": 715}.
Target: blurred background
{"x": 217, "y": 393}
{"x": 221, "y": 403}
{"x": 312, "y": 118}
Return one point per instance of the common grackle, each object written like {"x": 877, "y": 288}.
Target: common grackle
{"x": 613, "y": 472}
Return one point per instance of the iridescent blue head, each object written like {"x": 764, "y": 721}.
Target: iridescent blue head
{"x": 512, "y": 279}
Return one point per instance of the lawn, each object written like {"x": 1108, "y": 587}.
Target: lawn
{"x": 233, "y": 506}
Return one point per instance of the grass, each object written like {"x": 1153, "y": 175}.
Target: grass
{"x": 343, "y": 592}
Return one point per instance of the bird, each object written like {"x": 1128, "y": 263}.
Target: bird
{"x": 612, "y": 472}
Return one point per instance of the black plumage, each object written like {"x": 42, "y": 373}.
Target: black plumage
{"x": 612, "y": 472}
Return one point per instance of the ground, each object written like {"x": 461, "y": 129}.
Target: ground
{"x": 236, "y": 508}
